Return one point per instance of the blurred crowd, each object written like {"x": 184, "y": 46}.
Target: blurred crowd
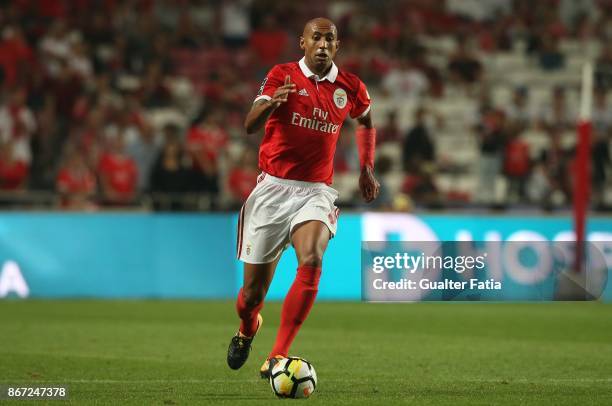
{"x": 140, "y": 102}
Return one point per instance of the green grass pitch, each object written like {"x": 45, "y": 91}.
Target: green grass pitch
{"x": 173, "y": 352}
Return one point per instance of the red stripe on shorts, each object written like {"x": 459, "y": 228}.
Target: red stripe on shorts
{"x": 240, "y": 227}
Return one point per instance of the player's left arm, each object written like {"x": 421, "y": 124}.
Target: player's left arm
{"x": 366, "y": 142}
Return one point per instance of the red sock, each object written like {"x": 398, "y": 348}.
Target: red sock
{"x": 296, "y": 307}
{"x": 248, "y": 316}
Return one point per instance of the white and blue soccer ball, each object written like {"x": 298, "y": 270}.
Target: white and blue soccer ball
{"x": 293, "y": 377}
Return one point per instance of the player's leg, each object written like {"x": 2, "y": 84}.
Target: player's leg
{"x": 256, "y": 282}
{"x": 257, "y": 279}
{"x": 310, "y": 241}
{"x": 311, "y": 229}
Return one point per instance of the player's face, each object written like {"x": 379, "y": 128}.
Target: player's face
{"x": 320, "y": 44}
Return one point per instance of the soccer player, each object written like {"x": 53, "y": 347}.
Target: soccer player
{"x": 303, "y": 105}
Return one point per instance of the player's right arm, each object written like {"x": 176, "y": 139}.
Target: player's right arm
{"x": 265, "y": 104}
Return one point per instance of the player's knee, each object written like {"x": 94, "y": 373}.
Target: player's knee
{"x": 312, "y": 262}
{"x": 311, "y": 258}
{"x": 253, "y": 297}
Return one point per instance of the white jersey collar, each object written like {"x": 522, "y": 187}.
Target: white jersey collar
{"x": 331, "y": 75}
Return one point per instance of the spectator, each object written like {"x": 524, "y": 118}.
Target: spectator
{"x": 572, "y": 10}
{"x": 47, "y": 144}
{"x": 55, "y": 47}
{"x": 128, "y": 119}
{"x": 75, "y": 182}
{"x": 603, "y": 67}
{"x": 495, "y": 36}
{"x": 118, "y": 173}
{"x": 538, "y": 185}
{"x": 491, "y": 138}
{"x": 13, "y": 170}
{"x": 477, "y": 10}
{"x": 602, "y": 113}
{"x": 518, "y": 112}
{"x": 171, "y": 173}
{"x": 463, "y": 66}
{"x": 550, "y": 57}
{"x": 405, "y": 82}
{"x": 66, "y": 87}
{"x": 16, "y": 57}
{"x": 600, "y": 154}
{"x": 235, "y": 23}
{"x": 419, "y": 184}
{"x": 90, "y": 71}
{"x": 263, "y": 36}
{"x": 550, "y": 183}
{"x": 206, "y": 142}
{"x": 390, "y": 131}
{"x": 186, "y": 33}
{"x": 153, "y": 91}
{"x": 345, "y": 159}
{"x": 557, "y": 114}
{"x": 543, "y": 28}
{"x": 418, "y": 147}
{"x": 434, "y": 77}
{"x": 144, "y": 151}
{"x": 17, "y": 125}
{"x": 517, "y": 167}
{"x": 87, "y": 136}
{"x": 167, "y": 14}
{"x": 79, "y": 61}
{"x": 243, "y": 176}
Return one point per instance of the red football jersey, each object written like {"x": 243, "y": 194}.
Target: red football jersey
{"x": 242, "y": 181}
{"x": 121, "y": 172}
{"x": 12, "y": 174}
{"x": 208, "y": 141}
{"x": 300, "y": 136}
{"x": 72, "y": 181}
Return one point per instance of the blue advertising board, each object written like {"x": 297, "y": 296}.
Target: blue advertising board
{"x": 120, "y": 255}
{"x": 134, "y": 255}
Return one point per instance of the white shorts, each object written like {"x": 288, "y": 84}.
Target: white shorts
{"x": 272, "y": 211}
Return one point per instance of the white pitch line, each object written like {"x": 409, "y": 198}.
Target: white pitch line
{"x": 157, "y": 381}
{"x": 527, "y": 380}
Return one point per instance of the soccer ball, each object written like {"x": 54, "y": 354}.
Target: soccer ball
{"x": 293, "y": 377}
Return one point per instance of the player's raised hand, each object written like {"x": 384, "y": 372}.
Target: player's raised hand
{"x": 368, "y": 184}
{"x": 282, "y": 93}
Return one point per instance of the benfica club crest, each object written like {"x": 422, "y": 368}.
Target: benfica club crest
{"x": 340, "y": 98}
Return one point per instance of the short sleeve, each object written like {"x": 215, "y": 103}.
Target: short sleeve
{"x": 361, "y": 103}
{"x": 272, "y": 81}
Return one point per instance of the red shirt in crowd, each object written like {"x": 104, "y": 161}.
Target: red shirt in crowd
{"x": 517, "y": 162}
{"x": 207, "y": 141}
{"x": 12, "y": 174}
{"x": 242, "y": 181}
{"x": 261, "y": 41}
{"x": 14, "y": 54}
{"x": 120, "y": 173}
{"x": 72, "y": 182}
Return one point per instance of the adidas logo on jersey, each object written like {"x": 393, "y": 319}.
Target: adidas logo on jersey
{"x": 303, "y": 92}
